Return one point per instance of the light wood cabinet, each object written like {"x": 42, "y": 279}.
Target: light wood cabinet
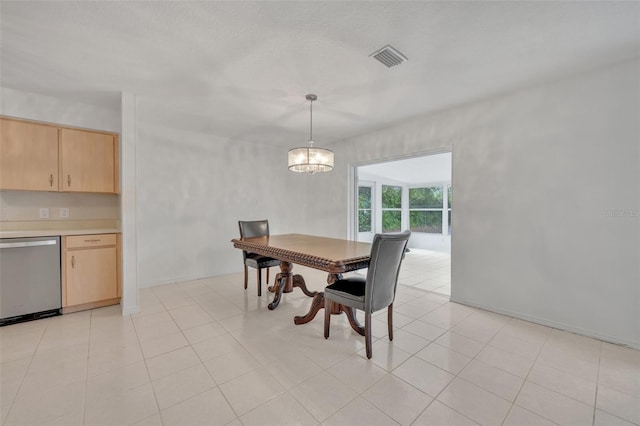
{"x": 88, "y": 161}
{"x": 91, "y": 271}
{"x": 28, "y": 156}
{"x": 44, "y": 157}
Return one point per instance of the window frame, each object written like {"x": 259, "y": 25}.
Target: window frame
{"x": 371, "y": 209}
{"x": 445, "y": 209}
{"x": 392, "y": 209}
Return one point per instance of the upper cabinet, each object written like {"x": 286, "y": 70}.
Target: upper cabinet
{"x": 43, "y": 157}
{"x": 28, "y": 156}
{"x": 88, "y": 161}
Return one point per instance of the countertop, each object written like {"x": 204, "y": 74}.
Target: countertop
{"x": 52, "y": 228}
{"x": 53, "y": 232}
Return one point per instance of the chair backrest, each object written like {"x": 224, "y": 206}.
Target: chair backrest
{"x": 387, "y": 252}
{"x": 253, "y": 228}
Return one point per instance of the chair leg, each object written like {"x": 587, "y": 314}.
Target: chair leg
{"x": 390, "y": 320}
{"x": 367, "y": 333}
{"x": 259, "y": 282}
{"x": 327, "y": 317}
{"x": 268, "y": 276}
{"x": 245, "y": 276}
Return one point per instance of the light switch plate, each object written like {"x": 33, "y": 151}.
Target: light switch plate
{"x": 64, "y": 212}
{"x": 44, "y": 213}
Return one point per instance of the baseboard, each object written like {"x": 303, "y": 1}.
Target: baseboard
{"x": 185, "y": 278}
{"x": 130, "y": 310}
{"x": 91, "y": 305}
{"x": 553, "y": 324}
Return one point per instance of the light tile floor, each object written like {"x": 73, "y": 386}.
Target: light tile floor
{"x": 208, "y": 352}
{"x": 427, "y": 270}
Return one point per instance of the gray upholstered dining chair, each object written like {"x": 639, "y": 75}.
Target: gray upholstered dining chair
{"x": 377, "y": 291}
{"x": 256, "y": 228}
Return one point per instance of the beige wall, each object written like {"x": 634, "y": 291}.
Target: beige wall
{"x": 536, "y": 175}
{"x": 25, "y": 206}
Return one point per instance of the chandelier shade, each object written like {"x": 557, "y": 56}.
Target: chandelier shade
{"x": 309, "y": 159}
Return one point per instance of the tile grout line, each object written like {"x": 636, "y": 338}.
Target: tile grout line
{"x": 86, "y": 376}
{"x": 144, "y": 359}
{"x": 33, "y": 355}
{"x": 524, "y": 382}
{"x": 595, "y": 399}
{"x": 435, "y": 398}
{"x": 205, "y": 367}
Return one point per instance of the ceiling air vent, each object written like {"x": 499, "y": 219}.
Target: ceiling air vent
{"x": 389, "y": 56}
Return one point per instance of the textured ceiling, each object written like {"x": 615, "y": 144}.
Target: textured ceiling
{"x": 417, "y": 170}
{"x": 241, "y": 69}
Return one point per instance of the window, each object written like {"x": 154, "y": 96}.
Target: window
{"x": 365, "y": 216}
{"x": 425, "y": 209}
{"x": 391, "y": 208}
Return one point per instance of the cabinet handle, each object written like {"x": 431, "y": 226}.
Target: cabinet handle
{"x": 68, "y": 180}
{"x": 93, "y": 240}
{"x": 51, "y": 180}
{"x": 73, "y": 261}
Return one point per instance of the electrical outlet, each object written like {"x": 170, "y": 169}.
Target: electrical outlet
{"x": 64, "y": 212}
{"x": 44, "y": 213}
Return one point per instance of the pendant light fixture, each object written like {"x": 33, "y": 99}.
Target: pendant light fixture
{"x": 310, "y": 159}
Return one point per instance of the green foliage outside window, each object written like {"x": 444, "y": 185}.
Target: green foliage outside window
{"x": 364, "y": 197}
{"x": 421, "y": 202}
{"x": 364, "y": 221}
{"x": 425, "y": 198}
{"x": 364, "y": 209}
{"x": 391, "y": 220}
{"x": 425, "y": 221}
{"x": 391, "y": 197}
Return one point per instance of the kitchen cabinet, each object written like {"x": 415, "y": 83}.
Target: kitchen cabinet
{"x": 88, "y": 161}
{"x": 91, "y": 271}
{"x": 44, "y": 157}
{"x": 28, "y": 156}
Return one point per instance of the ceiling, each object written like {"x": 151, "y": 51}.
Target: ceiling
{"x": 241, "y": 69}
{"x": 434, "y": 168}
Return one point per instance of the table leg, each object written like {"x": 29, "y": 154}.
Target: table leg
{"x": 316, "y": 304}
{"x": 279, "y": 289}
{"x": 285, "y": 282}
{"x": 353, "y": 321}
{"x": 336, "y": 309}
{"x": 298, "y": 281}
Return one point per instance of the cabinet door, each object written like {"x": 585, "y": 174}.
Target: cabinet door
{"x": 88, "y": 162}
{"x": 90, "y": 275}
{"x": 28, "y": 156}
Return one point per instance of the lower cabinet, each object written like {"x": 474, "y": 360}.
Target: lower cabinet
{"x": 91, "y": 271}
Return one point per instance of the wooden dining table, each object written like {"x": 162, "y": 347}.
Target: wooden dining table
{"x": 332, "y": 255}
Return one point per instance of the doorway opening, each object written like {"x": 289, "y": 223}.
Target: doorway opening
{"x": 411, "y": 193}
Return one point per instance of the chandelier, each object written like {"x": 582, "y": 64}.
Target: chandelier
{"x": 309, "y": 159}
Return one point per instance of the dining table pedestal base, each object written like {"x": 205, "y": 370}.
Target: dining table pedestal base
{"x": 285, "y": 282}
{"x": 336, "y": 309}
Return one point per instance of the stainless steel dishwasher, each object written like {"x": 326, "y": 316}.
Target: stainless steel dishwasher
{"x": 29, "y": 278}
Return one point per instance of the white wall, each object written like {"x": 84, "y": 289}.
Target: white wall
{"x": 540, "y": 175}
{"x": 22, "y": 205}
{"x": 33, "y": 106}
{"x": 192, "y": 190}
{"x": 537, "y": 174}
{"x": 182, "y": 192}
